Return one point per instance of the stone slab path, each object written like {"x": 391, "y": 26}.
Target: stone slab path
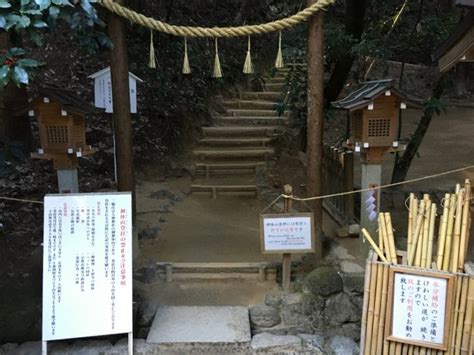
{"x": 200, "y": 325}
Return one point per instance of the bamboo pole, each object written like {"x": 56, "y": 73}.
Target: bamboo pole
{"x": 457, "y": 232}
{"x": 378, "y": 292}
{"x": 414, "y": 214}
{"x": 422, "y": 350}
{"x": 468, "y": 320}
{"x": 405, "y": 349}
{"x": 363, "y": 322}
{"x": 393, "y": 253}
{"x": 383, "y": 311}
{"x": 416, "y": 235}
{"x": 374, "y": 246}
{"x": 386, "y": 343}
{"x": 370, "y": 314}
{"x": 442, "y": 232}
{"x": 471, "y": 345}
{"x": 464, "y": 225}
{"x": 449, "y": 232}
{"x": 385, "y": 235}
{"x": 410, "y": 349}
{"x": 398, "y": 348}
{"x": 426, "y": 229}
{"x": 460, "y": 316}
{"x": 391, "y": 349}
{"x": 429, "y": 256}
{"x": 455, "y": 314}
{"x": 381, "y": 236}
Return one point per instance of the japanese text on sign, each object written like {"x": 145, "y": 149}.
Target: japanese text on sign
{"x": 87, "y": 284}
{"x": 287, "y": 233}
{"x": 419, "y": 306}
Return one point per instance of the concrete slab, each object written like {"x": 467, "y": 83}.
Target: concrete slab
{"x": 200, "y": 325}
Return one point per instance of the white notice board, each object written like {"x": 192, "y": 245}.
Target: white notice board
{"x": 420, "y": 308}
{"x": 287, "y": 233}
{"x": 87, "y": 265}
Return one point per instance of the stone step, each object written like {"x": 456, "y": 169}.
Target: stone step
{"x": 219, "y": 169}
{"x": 250, "y": 120}
{"x": 255, "y": 112}
{"x": 233, "y": 190}
{"x": 274, "y": 87}
{"x": 185, "y": 324}
{"x": 235, "y": 142}
{"x": 226, "y": 131}
{"x": 233, "y": 153}
{"x": 260, "y": 95}
{"x": 250, "y": 104}
{"x": 259, "y": 271}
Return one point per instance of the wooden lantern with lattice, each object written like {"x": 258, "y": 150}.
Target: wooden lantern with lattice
{"x": 61, "y": 117}
{"x": 374, "y": 118}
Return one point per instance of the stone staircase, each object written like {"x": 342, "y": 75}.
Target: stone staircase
{"x": 230, "y": 152}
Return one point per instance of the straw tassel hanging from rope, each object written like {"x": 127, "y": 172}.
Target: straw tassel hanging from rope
{"x": 152, "y": 59}
{"x": 186, "y": 67}
{"x": 279, "y": 59}
{"x": 248, "y": 67}
{"x": 217, "y": 73}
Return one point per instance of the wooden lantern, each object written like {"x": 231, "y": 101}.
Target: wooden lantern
{"x": 374, "y": 118}
{"x": 61, "y": 119}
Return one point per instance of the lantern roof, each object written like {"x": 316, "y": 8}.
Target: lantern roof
{"x": 369, "y": 91}
{"x": 459, "y": 46}
{"x": 68, "y": 99}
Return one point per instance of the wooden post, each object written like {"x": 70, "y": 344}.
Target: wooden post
{"x": 286, "y": 264}
{"x": 349, "y": 186}
{"x": 315, "y": 121}
{"x": 121, "y": 105}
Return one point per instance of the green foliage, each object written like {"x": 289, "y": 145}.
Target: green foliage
{"x": 30, "y": 18}
{"x": 13, "y": 67}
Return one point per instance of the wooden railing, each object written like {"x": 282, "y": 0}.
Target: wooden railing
{"x": 338, "y": 176}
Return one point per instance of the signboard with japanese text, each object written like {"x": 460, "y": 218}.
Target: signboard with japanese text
{"x": 287, "y": 233}
{"x": 420, "y": 307}
{"x": 87, "y": 265}
{"x": 103, "y": 90}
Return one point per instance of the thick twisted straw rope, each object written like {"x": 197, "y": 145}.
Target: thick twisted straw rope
{"x": 188, "y": 31}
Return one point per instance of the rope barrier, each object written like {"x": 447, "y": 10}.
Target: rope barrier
{"x": 315, "y": 197}
{"x": 367, "y": 189}
{"x": 191, "y": 31}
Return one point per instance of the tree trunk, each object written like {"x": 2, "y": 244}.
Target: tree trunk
{"x": 355, "y": 21}
{"x": 121, "y": 105}
{"x": 402, "y": 166}
{"x": 315, "y": 123}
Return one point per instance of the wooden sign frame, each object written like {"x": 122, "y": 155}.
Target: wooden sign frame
{"x": 448, "y": 305}
{"x": 286, "y": 215}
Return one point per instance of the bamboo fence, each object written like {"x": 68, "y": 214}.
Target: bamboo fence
{"x": 445, "y": 253}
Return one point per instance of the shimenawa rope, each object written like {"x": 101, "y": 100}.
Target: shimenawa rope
{"x": 190, "y": 31}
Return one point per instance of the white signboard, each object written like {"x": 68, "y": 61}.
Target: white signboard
{"x": 287, "y": 233}
{"x": 87, "y": 265}
{"x": 419, "y": 309}
{"x": 103, "y": 90}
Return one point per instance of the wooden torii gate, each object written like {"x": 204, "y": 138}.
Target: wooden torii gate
{"x": 123, "y": 124}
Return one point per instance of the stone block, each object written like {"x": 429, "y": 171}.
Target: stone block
{"x": 323, "y": 281}
{"x": 339, "y": 345}
{"x": 313, "y": 343}
{"x": 8, "y": 348}
{"x": 265, "y": 341}
{"x": 29, "y": 348}
{"x": 273, "y": 300}
{"x": 353, "y": 283}
{"x": 340, "y": 309}
{"x": 146, "y": 313}
{"x": 264, "y": 316}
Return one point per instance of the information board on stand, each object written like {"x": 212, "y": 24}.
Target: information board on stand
{"x": 287, "y": 233}
{"x": 420, "y": 307}
{"x": 87, "y": 265}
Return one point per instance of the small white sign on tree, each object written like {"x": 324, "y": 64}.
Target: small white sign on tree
{"x": 103, "y": 90}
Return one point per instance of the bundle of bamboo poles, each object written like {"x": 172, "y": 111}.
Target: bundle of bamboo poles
{"x": 449, "y": 256}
